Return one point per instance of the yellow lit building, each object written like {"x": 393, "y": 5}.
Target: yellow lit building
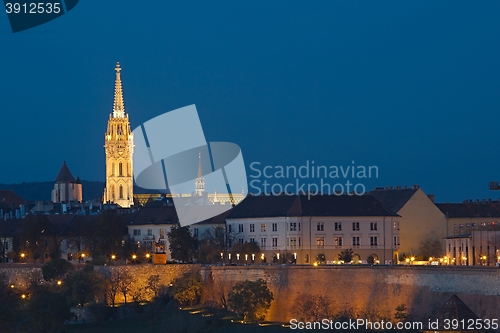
{"x": 119, "y": 148}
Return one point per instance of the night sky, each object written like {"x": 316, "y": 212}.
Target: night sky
{"x": 412, "y": 87}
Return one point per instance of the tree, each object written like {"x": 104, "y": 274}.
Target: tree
{"x": 431, "y": 248}
{"x": 346, "y": 255}
{"x": 187, "y": 288}
{"x": 48, "y": 311}
{"x": 183, "y": 246}
{"x": 153, "y": 285}
{"x": 82, "y": 286}
{"x": 111, "y": 285}
{"x": 56, "y": 269}
{"x": 401, "y": 312}
{"x": 312, "y": 308}
{"x": 124, "y": 282}
{"x": 32, "y": 233}
{"x": 370, "y": 260}
{"x": 9, "y": 304}
{"x": 251, "y": 299}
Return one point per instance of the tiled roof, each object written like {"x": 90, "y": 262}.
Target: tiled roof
{"x": 470, "y": 209}
{"x": 81, "y": 224}
{"x": 9, "y": 228}
{"x": 454, "y": 308}
{"x": 156, "y": 212}
{"x": 394, "y": 199}
{"x": 10, "y": 199}
{"x": 64, "y": 175}
{"x": 265, "y": 206}
{"x": 343, "y": 205}
{"x": 314, "y": 205}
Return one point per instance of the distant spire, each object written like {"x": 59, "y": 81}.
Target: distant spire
{"x": 200, "y": 173}
{"x": 118, "y": 106}
{"x": 200, "y": 182}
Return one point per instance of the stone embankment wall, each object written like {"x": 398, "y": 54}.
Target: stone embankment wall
{"x": 371, "y": 291}
{"x": 364, "y": 290}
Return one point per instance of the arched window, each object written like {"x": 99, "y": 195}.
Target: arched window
{"x": 120, "y": 169}
{"x": 112, "y": 169}
{"x": 112, "y": 192}
{"x": 121, "y": 191}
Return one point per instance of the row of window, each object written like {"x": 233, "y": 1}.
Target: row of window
{"x": 320, "y": 241}
{"x": 137, "y": 232}
{"x": 320, "y": 226}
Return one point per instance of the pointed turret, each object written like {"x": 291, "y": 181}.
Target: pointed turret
{"x": 66, "y": 188}
{"x": 118, "y": 105}
{"x": 64, "y": 175}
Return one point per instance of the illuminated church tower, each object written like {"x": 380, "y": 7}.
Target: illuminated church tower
{"x": 119, "y": 147}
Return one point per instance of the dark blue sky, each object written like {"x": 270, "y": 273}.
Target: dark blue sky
{"x": 410, "y": 86}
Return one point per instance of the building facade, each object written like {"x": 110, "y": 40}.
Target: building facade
{"x": 119, "y": 148}
{"x": 420, "y": 221}
{"x": 317, "y": 229}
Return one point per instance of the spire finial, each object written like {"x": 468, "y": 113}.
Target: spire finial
{"x": 200, "y": 173}
{"x": 118, "y": 106}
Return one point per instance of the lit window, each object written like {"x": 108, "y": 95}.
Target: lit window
{"x": 293, "y": 226}
{"x": 263, "y": 227}
{"x": 338, "y": 241}
{"x": 320, "y": 242}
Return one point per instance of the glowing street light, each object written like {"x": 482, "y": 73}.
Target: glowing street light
{"x": 11, "y": 286}
{"x": 59, "y": 282}
{"x": 315, "y": 264}
{"x": 113, "y": 257}
{"x": 134, "y": 257}
{"x": 23, "y": 296}
{"x": 148, "y": 256}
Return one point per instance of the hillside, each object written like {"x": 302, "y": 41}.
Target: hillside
{"x": 42, "y": 190}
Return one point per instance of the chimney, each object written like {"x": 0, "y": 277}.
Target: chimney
{"x": 431, "y": 197}
{"x": 398, "y": 187}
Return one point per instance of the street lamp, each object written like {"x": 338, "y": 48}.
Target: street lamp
{"x": 113, "y": 257}
{"x": 23, "y": 255}
{"x": 59, "y": 282}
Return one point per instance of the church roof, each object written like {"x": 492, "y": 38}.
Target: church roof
{"x": 454, "y": 308}
{"x": 64, "y": 175}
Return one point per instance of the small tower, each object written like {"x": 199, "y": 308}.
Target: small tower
{"x": 119, "y": 148}
{"x": 66, "y": 188}
{"x": 200, "y": 181}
